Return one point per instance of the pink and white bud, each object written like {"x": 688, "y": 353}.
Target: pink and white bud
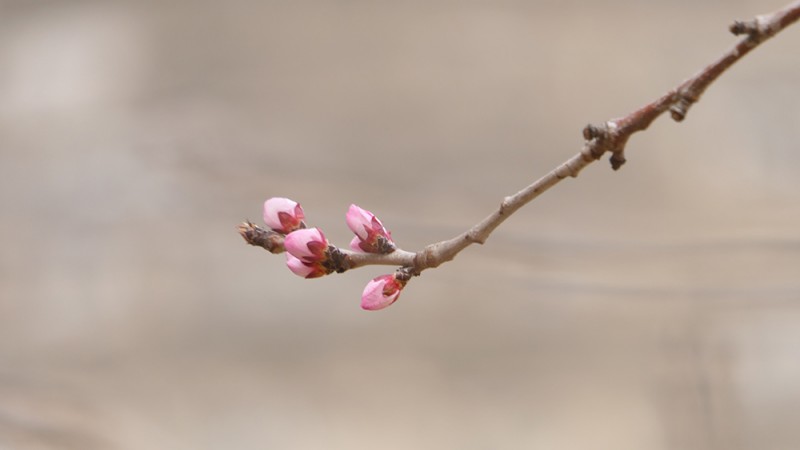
{"x": 381, "y": 292}
{"x": 305, "y": 270}
{"x": 308, "y": 245}
{"x": 283, "y": 215}
{"x": 359, "y": 220}
{"x": 371, "y": 236}
{"x": 307, "y": 252}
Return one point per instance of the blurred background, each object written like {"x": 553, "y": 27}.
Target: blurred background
{"x": 657, "y": 307}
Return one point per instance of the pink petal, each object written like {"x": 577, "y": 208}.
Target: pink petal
{"x": 380, "y": 292}
{"x": 307, "y": 244}
{"x": 373, "y": 237}
{"x": 283, "y": 215}
{"x": 359, "y": 220}
{"x": 298, "y": 267}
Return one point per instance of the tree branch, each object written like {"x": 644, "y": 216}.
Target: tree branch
{"x": 610, "y": 137}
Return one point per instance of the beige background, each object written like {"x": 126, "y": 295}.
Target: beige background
{"x": 653, "y": 308}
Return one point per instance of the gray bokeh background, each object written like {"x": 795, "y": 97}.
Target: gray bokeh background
{"x": 656, "y": 307}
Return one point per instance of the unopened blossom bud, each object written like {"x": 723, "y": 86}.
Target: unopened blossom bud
{"x": 307, "y": 252}
{"x": 305, "y": 270}
{"x": 307, "y": 244}
{"x": 381, "y": 292}
{"x": 371, "y": 236}
{"x": 283, "y": 215}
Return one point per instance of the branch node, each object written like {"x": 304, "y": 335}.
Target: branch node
{"x": 741, "y": 27}
{"x": 504, "y": 205}
{"x": 605, "y": 138}
{"x": 406, "y": 273}
{"x": 757, "y": 30}
{"x": 337, "y": 260}
{"x": 473, "y": 237}
{"x": 617, "y": 159}
{"x": 681, "y": 107}
{"x": 598, "y": 138}
{"x": 425, "y": 259}
{"x": 591, "y": 131}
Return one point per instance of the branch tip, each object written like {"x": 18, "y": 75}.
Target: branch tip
{"x": 269, "y": 240}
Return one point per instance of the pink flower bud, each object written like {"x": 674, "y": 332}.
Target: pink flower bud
{"x": 308, "y": 245}
{"x": 283, "y": 215}
{"x": 305, "y": 270}
{"x": 371, "y": 236}
{"x": 381, "y": 292}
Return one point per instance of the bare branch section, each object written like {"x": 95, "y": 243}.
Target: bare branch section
{"x": 610, "y": 137}
{"x": 269, "y": 240}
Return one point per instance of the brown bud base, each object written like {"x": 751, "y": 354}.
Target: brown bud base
{"x": 269, "y": 240}
{"x": 404, "y": 274}
{"x": 384, "y": 246}
{"x": 337, "y": 261}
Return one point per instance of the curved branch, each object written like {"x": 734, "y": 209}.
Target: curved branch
{"x": 611, "y": 137}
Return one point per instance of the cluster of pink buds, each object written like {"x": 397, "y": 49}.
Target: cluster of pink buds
{"x": 309, "y": 255}
{"x": 306, "y": 248}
